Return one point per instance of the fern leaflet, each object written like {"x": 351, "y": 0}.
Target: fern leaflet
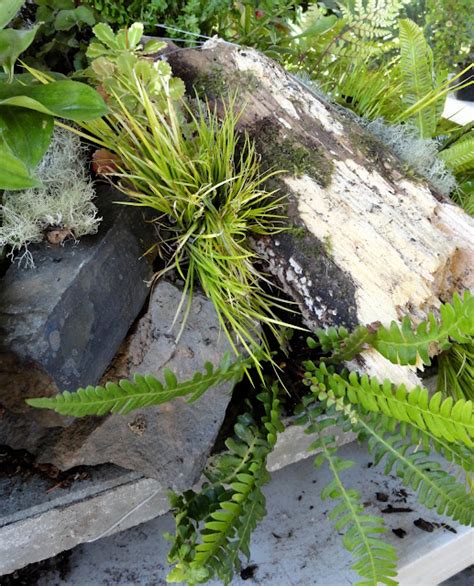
{"x": 444, "y": 418}
{"x": 375, "y": 559}
{"x": 460, "y": 156}
{"x": 416, "y": 67}
{"x": 404, "y": 345}
{"x": 213, "y": 527}
{"x": 143, "y": 391}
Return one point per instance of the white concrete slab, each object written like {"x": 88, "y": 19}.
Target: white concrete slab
{"x": 294, "y": 546}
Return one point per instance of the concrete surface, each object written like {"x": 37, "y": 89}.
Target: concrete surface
{"x": 294, "y": 546}
{"x": 35, "y": 524}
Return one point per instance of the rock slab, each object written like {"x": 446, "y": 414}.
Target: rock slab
{"x": 169, "y": 442}
{"x": 62, "y": 322}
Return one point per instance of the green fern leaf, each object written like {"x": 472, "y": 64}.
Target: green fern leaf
{"x": 435, "y": 488}
{"x": 143, "y": 391}
{"x": 375, "y": 559}
{"x": 416, "y": 66}
{"x": 444, "y": 418}
{"x": 460, "y": 156}
{"x": 458, "y": 454}
{"x": 404, "y": 345}
{"x": 213, "y": 527}
{"x": 349, "y": 345}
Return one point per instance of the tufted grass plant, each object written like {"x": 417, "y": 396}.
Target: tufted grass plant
{"x": 204, "y": 180}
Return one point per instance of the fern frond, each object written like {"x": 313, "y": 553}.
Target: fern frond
{"x": 407, "y": 452}
{"x": 458, "y": 454}
{"x": 436, "y": 489}
{"x": 143, "y": 391}
{"x": 416, "y": 66}
{"x": 446, "y": 419}
{"x": 343, "y": 345}
{"x": 210, "y": 537}
{"x": 375, "y": 559}
{"x": 460, "y": 156}
{"x": 404, "y": 345}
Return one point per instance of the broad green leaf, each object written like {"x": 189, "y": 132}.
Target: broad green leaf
{"x": 153, "y": 46}
{"x": 106, "y": 35}
{"x": 26, "y": 133}
{"x": 131, "y": 35}
{"x": 318, "y": 27}
{"x": 66, "y": 19}
{"x": 13, "y": 43}
{"x": 14, "y": 174}
{"x": 8, "y": 9}
{"x": 67, "y": 99}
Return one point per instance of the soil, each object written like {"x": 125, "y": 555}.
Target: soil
{"x": 248, "y": 572}
{"x": 391, "y": 509}
{"x": 31, "y": 574}
{"x": 20, "y": 463}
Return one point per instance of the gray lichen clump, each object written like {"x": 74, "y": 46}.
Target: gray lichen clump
{"x": 420, "y": 154}
{"x": 63, "y": 204}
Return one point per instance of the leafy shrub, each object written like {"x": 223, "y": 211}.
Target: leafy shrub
{"x": 449, "y": 27}
{"x": 64, "y": 31}
{"x": 27, "y": 109}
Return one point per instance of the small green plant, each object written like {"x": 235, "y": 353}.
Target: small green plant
{"x": 27, "y": 109}
{"x": 198, "y": 173}
{"x": 215, "y": 524}
{"x": 64, "y": 30}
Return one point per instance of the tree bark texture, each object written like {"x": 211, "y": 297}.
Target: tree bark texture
{"x": 368, "y": 240}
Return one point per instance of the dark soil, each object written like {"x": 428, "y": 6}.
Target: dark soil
{"x": 248, "y": 572}
{"x": 20, "y": 463}
{"x": 399, "y": 532}
{"x": 430, "y": 526}
{"x": 391, "y": 509}
{"x": 31, "y": 574}
{"x": 381, "y": 496}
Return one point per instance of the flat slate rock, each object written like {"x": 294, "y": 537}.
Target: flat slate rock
{"x": 170, "y": 442}
{"x": 62, "y": 322}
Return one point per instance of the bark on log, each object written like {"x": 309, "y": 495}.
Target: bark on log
{"x": 368, "y": 240}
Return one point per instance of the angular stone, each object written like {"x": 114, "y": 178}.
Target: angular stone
{"x": 169, "y": 442}
{"x": 62, "y": 322}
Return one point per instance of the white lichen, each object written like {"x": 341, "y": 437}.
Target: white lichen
{"x": 419, "y": 154}
{"x": 64, "y": 202}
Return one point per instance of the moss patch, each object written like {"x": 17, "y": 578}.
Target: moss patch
{"x": 291, "y": 155}
{"x": 372, "y": 148}
{"x": 217, "y": 83}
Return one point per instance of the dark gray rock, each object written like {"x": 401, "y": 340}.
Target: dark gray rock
{"x": 62, "y": 322}
{"x": 169, "y": 442}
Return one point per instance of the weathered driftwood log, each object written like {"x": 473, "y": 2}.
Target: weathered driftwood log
{"x": 368, "y": 241}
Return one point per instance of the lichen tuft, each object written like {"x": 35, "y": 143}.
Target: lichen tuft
{"x": 63, "y": 203}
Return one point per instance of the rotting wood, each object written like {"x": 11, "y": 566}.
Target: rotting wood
{"x": 368, "y": 241}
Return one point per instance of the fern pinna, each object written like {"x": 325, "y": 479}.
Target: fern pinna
{"x": 214, "y": 526}
{"x": 143, "y": 391}
{"x": 403, "y": 448}
{"x": 406, "y": 344}
{"x": 375, "y": 560}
